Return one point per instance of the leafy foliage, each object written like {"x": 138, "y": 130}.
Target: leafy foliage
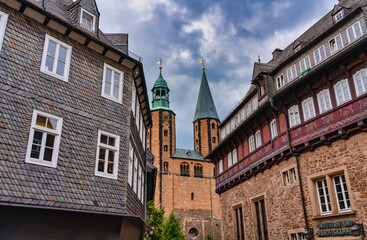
{"x": 208, "y": 237}
{"x": 155, "y": 219}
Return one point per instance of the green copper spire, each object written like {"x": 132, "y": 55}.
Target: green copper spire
{"x": 205, "y": 107}
{"x": 160, "y": 93}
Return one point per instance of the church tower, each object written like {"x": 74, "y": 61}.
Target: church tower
{"x": 206, "y": 120}
{"x": 161, "y": 137}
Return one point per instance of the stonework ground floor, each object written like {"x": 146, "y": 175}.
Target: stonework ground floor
{"x": 269, "y": 204}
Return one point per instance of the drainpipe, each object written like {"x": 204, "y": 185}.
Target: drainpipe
{"x": 211, "y": 198}
{"x": 271, "y": 100}
{"x": 173, "y": 186}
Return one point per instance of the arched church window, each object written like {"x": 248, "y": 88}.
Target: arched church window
{"x": 198, "y": 170}
{"x": 157, "y": 93}
{"x": 214, "y": 140}
{"x": 165, "y": 148}
{"x": 165, "y": 133}
{"x": 165, "y": 167}
{"x": 163, "y": 94}
{"x": 185, "y": 169}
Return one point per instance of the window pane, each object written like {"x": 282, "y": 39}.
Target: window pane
{"x": 50, "y": 56}
{"x": 111, "y": 141}
{"x": 62, "y": 53}
{"x": 107, "y": 88}
{"x": 339, "y": 42}
{"x": 103, "y": 139}
{"x": 50, "y": 140}
{"x": 357, "y": 30}
{"x": 36, "y": 146}
{"x": 102, "y": 153}
{"x": 100, "y": 166}
{"x": 317, "y": 56}
{"x": 110, "y": 168}
{"x": 49, "y": 63}
{"x": 111, "y": 156}
{"x": 41, "y": 121}
{"x": 48, "y": 154}
{"x": 322, "y": 53}
{"x": 51, "y": 123}
{"x": 116, "y": 85}
{"x": 60, "y": 68}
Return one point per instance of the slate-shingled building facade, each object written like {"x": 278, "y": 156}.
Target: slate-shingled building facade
{"x": 73, "y": 114}
{"x": 291, "y": 163}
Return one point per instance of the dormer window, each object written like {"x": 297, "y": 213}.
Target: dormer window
{"x": 87, "y": 20}
{"x": 338, "y": 16}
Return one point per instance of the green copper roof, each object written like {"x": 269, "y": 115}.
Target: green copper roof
{"x": 160, "y": 92}
{"x": 160, "y": 82}
{"x": 205, "y": 107}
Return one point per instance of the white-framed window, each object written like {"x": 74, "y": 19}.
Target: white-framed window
{"x": 258, "y": 138}
{"x": 338, "y": 16}
{"x": 354, "y": 31}
{"x": 141, "y": 129}
{"x": 228, "y": 128}
{"x": 360, "y": 81}
{"x": 56, "y": 58}
{"x": 223, "y": 133}
{"x": 248, "y": 108}
{"x": 137, "y": 113}
{"x": 243, "y": 114}
{"x": 319, "y": 54}
{"x": 220, "y": 166}
{"x": 342, "y": 92}
{"x": 44, "y": 139}
{"x": 135, "y": 172}
{"x": 142, "y": 185}
{"x": 273, "y": 128}
{"x": 112, "y": 83}
{"x": 133, "y": 97}
{"x": 341, "y": 193}
{"x": 280, "y": 81}
{"x": 294, "y": 118}
{"x": 234, "y": 153}
{"x": 87, "y": 20}
{"x": 336, "y": 44}
{"x": 144, "y": 131}
{"x": 131, "y": 163}
{"x": 308, "y": 108}
{"x": 139, "y": 181}
{"x": 107, "y": 156}
{"x": 305, "y": 64}
{"x": 229, "y": 159}
{"x": 238, "y": 119}
{"x": 3, "y": 21}
{"x": 233, "y": 124}
{"x": 251, "y": 143}
{"x": 323, "y": 196}
{"x": 289, "y": 176}
{"x": 297, "y": 236}
{"x": 323, "y": 98}
{"x": 255, "y": 104}
{"x": 293, "y": 174}
{"x": 291, "y": 73}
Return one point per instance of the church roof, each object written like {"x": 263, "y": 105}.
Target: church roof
{"x": 187, "y": 154}
{"x": 205, "y": 107}
{"x": 160, "y": 82}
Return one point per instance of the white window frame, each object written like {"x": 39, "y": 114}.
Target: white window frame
{"x": 229, "y": 160}
{"x": 306, "y": 63}
{"x": 297, "y": 119}
{"x": 56, "y": 133}
{"x": 326, "y": 195}
{"x": 291, "y": 73}
{"x": 243, "y": 114}
{"x": 273, "y": 128}
{"x": 142, "y": 185}
{"x": 131, "y": 163}
{"x": 251, "y": 143}
{"x": 137, "y": 112}
{"x": 234, "y": 156}
{"x": 120, "y": 90}
{"x": 255, "y": 104}
{"x": 58, "y": 43}
{"x": 248, "y": 109}
{"x": 344, "y": 100}
{"x": 135, "y": 172}
{"x": 220, "y": 163}
{"x": 360, "y": 74}
{"x": 228, "y": 128}
{"x": 139, "y": 181}
{"x": 116, "y": 149}
{"x": 223, "y": 133}
{"x": 321, "y": 98}
{"x": 336, "y": 44}
{"x": 308, "y": 108}
{"x": 354, "y": 31}
{"x": 258, "y": 138}
{"x": 133, "y": 97}
{"x": 280, "y": 81}
{"x": 318, "y": 52}
{"x": 344, "y": 191}
{"x": 233, "y": 124}
{"x": 81, "y": 20}
{"x": 238, "y": 119}
{"x": 3, "y": 22}
{"x": 337, "y": 18}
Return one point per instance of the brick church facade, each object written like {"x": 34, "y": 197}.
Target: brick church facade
{"x": 185, "y": 181}
{"x": 291, "y": 161}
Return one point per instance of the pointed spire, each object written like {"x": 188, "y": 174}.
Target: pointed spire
{"x": 205, "y": 107}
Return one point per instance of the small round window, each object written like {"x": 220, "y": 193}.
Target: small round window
{"x": 193, "y": 233}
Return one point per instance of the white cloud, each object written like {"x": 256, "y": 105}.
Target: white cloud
{"x": 278, "y": 7}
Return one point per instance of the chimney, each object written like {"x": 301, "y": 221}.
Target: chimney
{"x": 276, "y": 53}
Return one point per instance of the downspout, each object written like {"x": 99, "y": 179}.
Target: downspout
{"x": 173, "y": 186}
{"x": 271, "y": 100}
{"x": 211, "y": 199}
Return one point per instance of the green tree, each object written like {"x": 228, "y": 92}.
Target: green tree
{"x": 208, "y": 237}
{"x": 172, "y": 229}
{"x": 155, "y": 219}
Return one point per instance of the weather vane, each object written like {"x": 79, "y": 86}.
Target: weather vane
{"x": 202, "y": 61}
{"x": 160, "y": 63}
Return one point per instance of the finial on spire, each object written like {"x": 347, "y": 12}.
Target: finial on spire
{"x": 160, "y": 63}
{"x": 258, "y": 58}
{"x": 202, "y": 61}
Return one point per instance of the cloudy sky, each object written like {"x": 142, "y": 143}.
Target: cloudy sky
{"x": 229, "y": 35}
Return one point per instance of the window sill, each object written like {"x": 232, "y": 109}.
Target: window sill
{"x": 111, "y": 98}
{"x": 334, "y": 215}
{"x": 63, "y": 78}
{"x": 110, "y": 176}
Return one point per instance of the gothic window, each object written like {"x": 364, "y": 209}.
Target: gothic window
{"x": 165, "y": 148}
{"x": 214, "y": 140}
{"x": 165, "y": 133}
{"x": 185, "y": 169}
{"x": 165, "y": 167}
{"x": 198, "y": 170}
